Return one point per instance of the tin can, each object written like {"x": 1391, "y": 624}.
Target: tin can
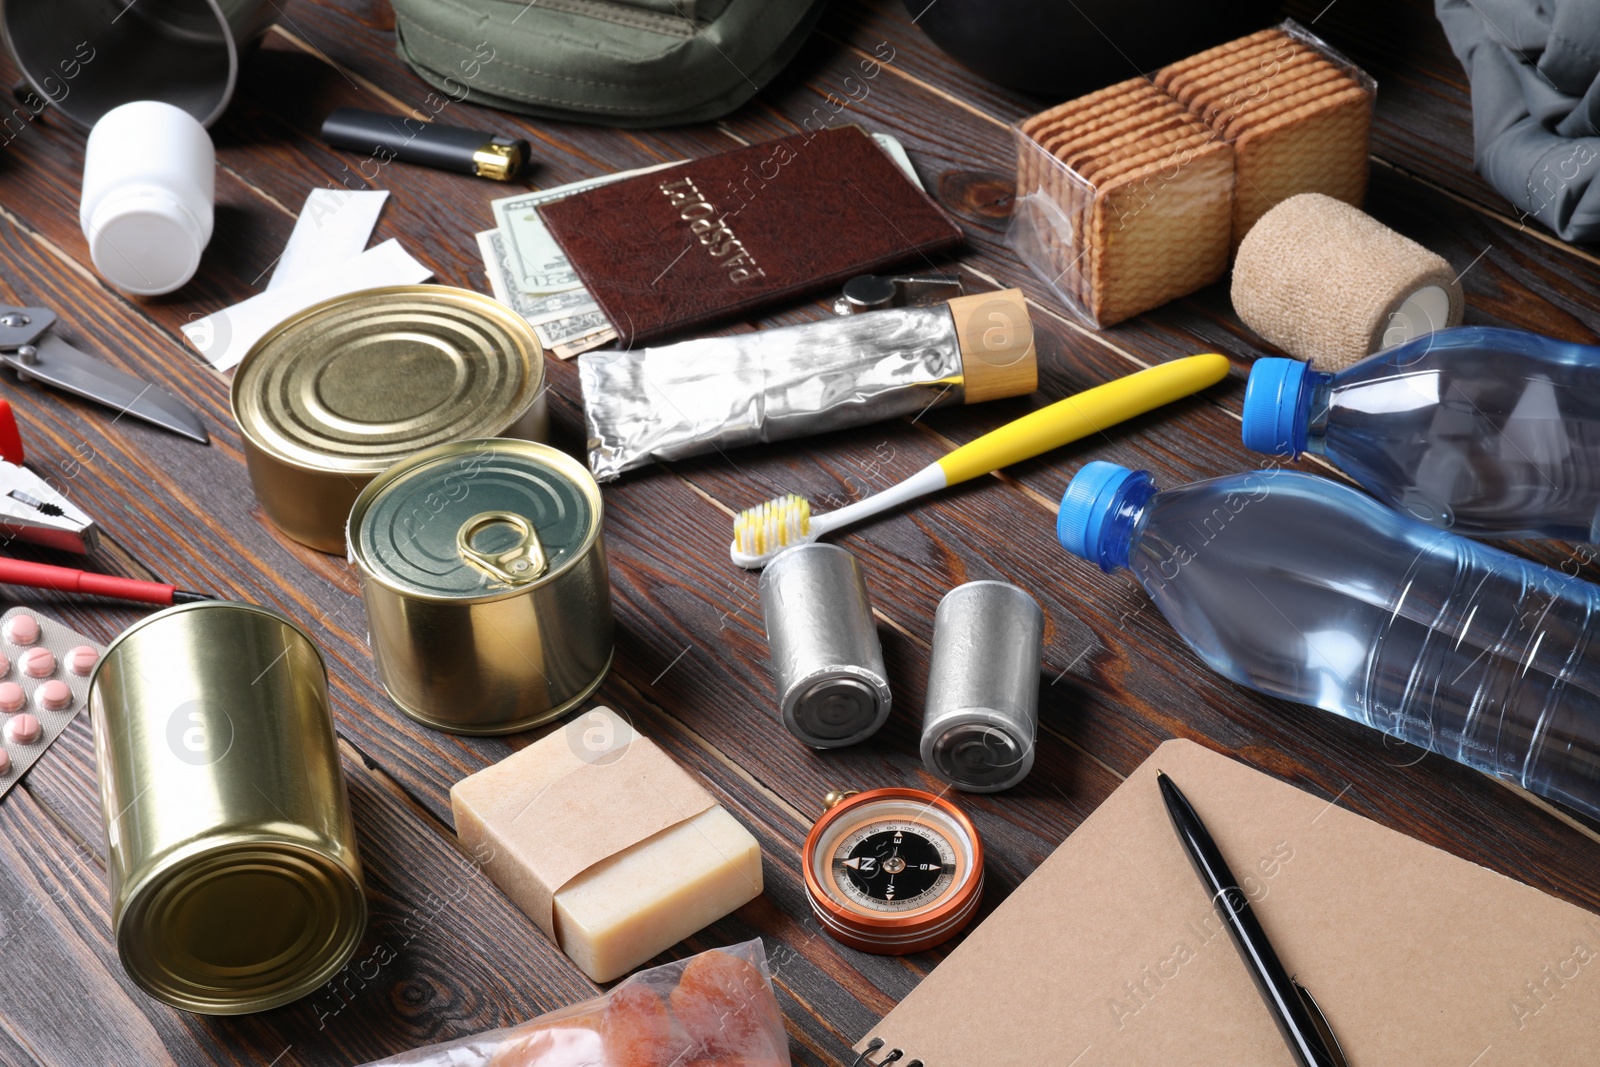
{"x": 982, "y": 713}
{"x": 484, "y": 575}
{"x": 826, "y": 659}
{"x": 235, "y": 881}
{"x": 337, "y": 394}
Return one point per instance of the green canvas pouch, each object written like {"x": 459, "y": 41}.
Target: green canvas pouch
{"x": 616, "y": 62}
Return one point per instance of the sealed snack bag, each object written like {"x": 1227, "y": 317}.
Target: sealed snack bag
{"x": 712, "y": 1010}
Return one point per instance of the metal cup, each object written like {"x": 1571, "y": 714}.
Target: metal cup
{"x": 88, "y": 56}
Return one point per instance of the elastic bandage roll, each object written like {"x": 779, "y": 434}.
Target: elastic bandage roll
{"x": 1329, "y": 283}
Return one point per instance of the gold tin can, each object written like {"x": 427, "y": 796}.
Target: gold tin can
{"x": 484, "y": 575}
{"x": 235, "y": 881}
{"x": 337, "y": 394}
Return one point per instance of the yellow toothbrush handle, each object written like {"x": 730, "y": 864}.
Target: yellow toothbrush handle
{"x": 1086, "y": 413}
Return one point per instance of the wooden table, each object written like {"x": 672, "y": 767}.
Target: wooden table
{"x": 446, "y": 955}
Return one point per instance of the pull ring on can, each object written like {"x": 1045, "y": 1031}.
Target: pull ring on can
{"x": 484, "y": 576}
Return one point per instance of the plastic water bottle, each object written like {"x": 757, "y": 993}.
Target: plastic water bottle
{"x": 1303, "y": 588}
{"x": 1489, "y": 432}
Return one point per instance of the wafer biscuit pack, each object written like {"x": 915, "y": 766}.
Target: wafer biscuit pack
{"x": 1140, "y": 193}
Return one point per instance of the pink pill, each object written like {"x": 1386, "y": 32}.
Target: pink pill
{"x": 5, "y": 665}
{"x": 38, "y": 663}
{"x": 22, "y": 629}
{"x": 80, "y": 660}
{"x": 5, "y": 763}
{"x": 23, "y": 730}
{"x": 12, "y": 698}
{"x": 53, "y": 695}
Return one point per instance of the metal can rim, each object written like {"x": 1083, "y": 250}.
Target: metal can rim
{"x": 172, "y": 865}
{"x": 549, "y": 453}
{"x": 512, "y": 321}
{"x": 203, "y": 605}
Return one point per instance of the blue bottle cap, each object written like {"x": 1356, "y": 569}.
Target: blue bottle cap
{"x": 1087, "y": 506}
{"x": 1274, "y": 417}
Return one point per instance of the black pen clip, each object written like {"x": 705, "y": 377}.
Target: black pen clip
{"x": 1331, "y": 1049}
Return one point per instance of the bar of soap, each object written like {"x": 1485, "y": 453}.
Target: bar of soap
{"x": 606, "y": 843}
{"x": 625, "y": 910}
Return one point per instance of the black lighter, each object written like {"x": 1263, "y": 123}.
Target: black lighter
{"x": 430, "y": 144}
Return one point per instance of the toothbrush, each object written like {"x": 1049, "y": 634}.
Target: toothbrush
{"x": 761, "y": 532}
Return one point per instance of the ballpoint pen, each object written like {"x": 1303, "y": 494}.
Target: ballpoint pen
{"x": 1305, "y": 1029}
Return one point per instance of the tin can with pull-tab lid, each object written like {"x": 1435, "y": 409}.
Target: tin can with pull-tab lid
{"x": 484, "y": 576}
{"x": 235, "y": 880}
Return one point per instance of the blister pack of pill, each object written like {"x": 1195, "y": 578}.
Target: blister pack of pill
{"x": 44, "y": 682}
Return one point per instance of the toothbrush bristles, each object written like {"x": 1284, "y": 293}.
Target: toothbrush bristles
{"x": 780, "y": 522}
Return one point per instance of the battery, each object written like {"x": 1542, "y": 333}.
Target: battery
{"x": 484, "y": 576}
{"x": 826, "y": 658}
{"x": 982, "y": 713}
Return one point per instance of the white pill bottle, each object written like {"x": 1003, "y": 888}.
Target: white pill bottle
{"x": 149, "y": 180}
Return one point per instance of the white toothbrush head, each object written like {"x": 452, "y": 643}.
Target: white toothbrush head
{"x": 761, "y": 532}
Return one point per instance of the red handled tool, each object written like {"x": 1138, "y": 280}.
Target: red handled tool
{"x": 32, "y": 510}
{"x": 72, "y": 580}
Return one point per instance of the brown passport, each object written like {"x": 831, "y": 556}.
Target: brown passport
{"x": 713, "y": 238}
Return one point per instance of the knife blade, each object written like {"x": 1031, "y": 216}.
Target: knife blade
{"x": 55, "y": 362}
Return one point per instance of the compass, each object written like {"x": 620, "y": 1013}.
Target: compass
{"x": 893, "y": 870}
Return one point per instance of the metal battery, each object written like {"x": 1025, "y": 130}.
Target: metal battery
{"x": 484, "y": 575}
{"x": 982, "y": 714}
{"x": 337, "y": 394}
{"x": 235, "y": 880}
{"x": 832, "y": 690}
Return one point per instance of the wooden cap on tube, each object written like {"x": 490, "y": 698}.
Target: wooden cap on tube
{"x": 996, "y": 338}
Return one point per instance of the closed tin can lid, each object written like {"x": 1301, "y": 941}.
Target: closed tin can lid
{"x": 358, "y": 382}
{"x": 242, "y": 928}
{"x": 475, "y": 520}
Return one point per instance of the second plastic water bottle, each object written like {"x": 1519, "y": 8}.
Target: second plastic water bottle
{"x": 1306, "y": 589}
{"x": 1488, "y": 432}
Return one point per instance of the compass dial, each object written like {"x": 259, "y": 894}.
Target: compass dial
{"x": 894, "y": 866}
{"x": 894, "y": 870}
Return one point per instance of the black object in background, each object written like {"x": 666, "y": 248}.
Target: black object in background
{"x": 1061, "y": 50}
{"x": 431, "y": 144}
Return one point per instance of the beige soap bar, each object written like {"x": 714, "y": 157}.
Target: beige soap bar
{"x": 606, "y": 843}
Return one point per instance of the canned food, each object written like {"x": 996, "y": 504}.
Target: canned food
{"x": 339, "y": 393}
{"x": 484, "y": 575}
{"x": 235, "y": 880}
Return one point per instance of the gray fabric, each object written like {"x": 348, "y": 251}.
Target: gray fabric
{"x": 1534, "y": 66}
{"x": 617, "y": 62}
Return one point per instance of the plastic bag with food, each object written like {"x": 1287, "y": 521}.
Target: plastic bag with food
{"x": 712, "y": 1010}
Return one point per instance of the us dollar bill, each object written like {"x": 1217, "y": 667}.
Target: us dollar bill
{"x": 566, "y": 323}
{"x": 537, "y": 263}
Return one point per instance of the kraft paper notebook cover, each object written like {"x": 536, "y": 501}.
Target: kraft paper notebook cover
{"x": 1109, "y": 954}
{"x": 712, "y": 238}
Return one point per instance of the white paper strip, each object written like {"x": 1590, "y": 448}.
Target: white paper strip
{"x": 224, "y": 337}
{"x": 334, "y": 226}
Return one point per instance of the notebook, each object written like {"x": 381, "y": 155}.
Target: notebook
{"x": 1109, "y": 953}
{"x": 708, "y": 239}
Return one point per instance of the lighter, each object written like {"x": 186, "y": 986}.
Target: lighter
{"x": 431, "y": 144}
